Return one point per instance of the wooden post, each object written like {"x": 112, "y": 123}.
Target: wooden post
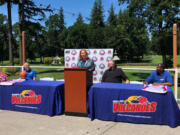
{"x": 23, "y": 47}
{"x": 174, "y": 51}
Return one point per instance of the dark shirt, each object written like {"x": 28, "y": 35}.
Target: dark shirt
{"x": 115, "y": 76}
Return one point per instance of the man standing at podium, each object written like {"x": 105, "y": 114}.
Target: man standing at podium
{"x": 113, "y": 74}
{"x": 85, "y": 61}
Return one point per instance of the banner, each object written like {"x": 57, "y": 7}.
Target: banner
{"x": 99, "y": 56}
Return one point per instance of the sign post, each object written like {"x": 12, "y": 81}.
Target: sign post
{"x": 175, "y": 56}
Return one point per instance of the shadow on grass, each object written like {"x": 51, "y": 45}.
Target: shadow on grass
{"x": 143, "y": 76}
{"x": 50, "y": 71}
{"x": 136, "y": 61}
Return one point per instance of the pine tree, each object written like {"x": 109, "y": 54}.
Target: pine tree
{"x": 79, "y": 19}
{"x": 112, "y": 19}
{"x": 61, "y": 20}
{"x": 97, "y": 17}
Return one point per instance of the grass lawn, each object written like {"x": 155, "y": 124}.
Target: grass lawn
{"x": 133, "y": 75}
{"x": 54, "y": 73}
{"x": 148, "y": 59}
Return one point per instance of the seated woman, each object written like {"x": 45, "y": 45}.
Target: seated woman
{"x": 84, "y": 61}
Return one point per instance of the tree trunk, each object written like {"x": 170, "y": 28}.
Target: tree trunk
{"x": 41, "y": 59}
{"x": 164, "y": 59}
{"x": 11, "y": 59}
{"x": 20, "y": 33}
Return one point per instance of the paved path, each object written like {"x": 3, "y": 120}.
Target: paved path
{"x": 19, "y": 123}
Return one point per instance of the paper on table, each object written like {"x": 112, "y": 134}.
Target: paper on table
{"x": 155, "y": 89}
{"x": 11, "y": 82}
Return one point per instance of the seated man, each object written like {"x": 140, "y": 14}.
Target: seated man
{"x": 160, "y": 77}
{"x": 113, "y": 74}
{"x": 31, "y": 74}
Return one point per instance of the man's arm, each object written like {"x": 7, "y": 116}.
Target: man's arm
{"x": 34, "y": 75}
{"x": 127, "y": 81}
{"x": 169, "y": 81}
{"x": 160, "y": 84}
{"x": 149, "y": 79}
{"x": 104, "y": 76}
{"x": 124, "y": 77}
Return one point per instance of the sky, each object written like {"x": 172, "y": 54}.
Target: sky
{"x": 71, "y": 9}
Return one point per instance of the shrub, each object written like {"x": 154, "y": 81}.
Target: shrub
{"x": 62, "y": 60}
{"x": 10, "y": 71}
{"x": 16, "y": 60}
{"x": 48, "y": 60}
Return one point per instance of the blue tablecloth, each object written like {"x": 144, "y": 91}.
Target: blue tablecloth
{"x": 129, "y": 103}
{"x": 41, "y": 97}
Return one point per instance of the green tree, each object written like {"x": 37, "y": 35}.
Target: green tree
{"x": 79, "y": 19}
{"x": 77, "y": 34}
{"x": 55, "y": 35}
{"x": 34, "y": 38}
{"x": 160, "y": 16}
{"x": 52, "y": 25}
{"x": 29, "y": 12}
{"x": 97, "y": 17}
{"x": 3, "y": 37}
{"x": 10, "y": 36}
{"x": 61, "y": 20}
{"x": 96, "y": 27}
{"x": 62, "y": 33}
{"x": 15, "y": 30}
{"x": 112, "y": 18}
{"x": 132, "y": 34}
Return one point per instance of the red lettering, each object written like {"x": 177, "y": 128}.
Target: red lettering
{"x": 115, "y": 107}
{"x": 153, "y": 106}
{"x": 121, "y": 107}
{"x": 18, "y": 100}
{"x": 13, "y": 99}
{"x": 23, "y": 100}
{"x": 143, "y": 108}
{"x": 128, "y": 108}
{"x": 39, "y": 99}
{"x": 133, "y": 108}
{"x": 138, "y": 108}
{"x": 147, "y": 107}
